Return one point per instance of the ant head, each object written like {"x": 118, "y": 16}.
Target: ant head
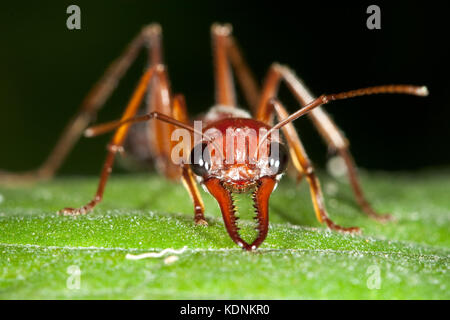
{"x": 239, "y": 175}
{"x": 235, "y": 155}
{"x": 235, "y": 161}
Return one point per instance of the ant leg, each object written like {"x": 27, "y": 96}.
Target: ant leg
{"x": 226, "y": 49}
{"x": 303, "y": 164}
{"x": 225, "y": 92}
{"x": 159, "y": 132}
{"x": 335, "y": 138}
{"x": 179, "y": 119}
{"x": 244, "y": 75}
{"x": 117, "y": 141}
{"x": 93, "y": 102}
{"x": 322, "y": 121}
{"x": 191, "y": 186}
{"x": 179, "y": 112}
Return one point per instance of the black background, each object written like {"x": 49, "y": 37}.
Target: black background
{"x": 47, "y": 69}
{"x": 171, "y": 308}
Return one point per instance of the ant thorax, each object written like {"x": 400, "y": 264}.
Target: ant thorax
{"x": 219, "y": 112}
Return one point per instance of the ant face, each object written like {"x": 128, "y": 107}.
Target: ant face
{"x": 236, "y": 155}
{"x": 240, "y": 172}
{"x": 237, "y": 163}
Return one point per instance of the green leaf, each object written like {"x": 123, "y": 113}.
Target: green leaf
{"x": 405, "y": 259}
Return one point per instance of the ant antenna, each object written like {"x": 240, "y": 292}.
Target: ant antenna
{"x": 109, "y": 126}
{"x": 421, "y": 91}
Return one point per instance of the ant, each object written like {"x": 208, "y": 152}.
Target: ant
{"x": 219, "y": 179}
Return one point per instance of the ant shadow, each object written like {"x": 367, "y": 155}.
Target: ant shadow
{"x": 301, "y": 217}
{"x": 305, "y": 215}
{"x": 208, "y": 234}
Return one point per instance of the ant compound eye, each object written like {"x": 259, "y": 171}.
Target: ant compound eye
{"x": 278, "y": 158}
{"x": 200, "y": 159}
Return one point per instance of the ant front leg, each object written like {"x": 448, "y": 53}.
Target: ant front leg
{"x": 178, "y": 118}
{"x": 191, "y": 186}
{"x": 303, "y": 165}
{"x": 179, "y": 113}
{"x": 116, "y": 144}
{"x": 323, "y": 122}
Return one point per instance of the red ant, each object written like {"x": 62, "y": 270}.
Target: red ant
{"x": 224, "y": 179}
